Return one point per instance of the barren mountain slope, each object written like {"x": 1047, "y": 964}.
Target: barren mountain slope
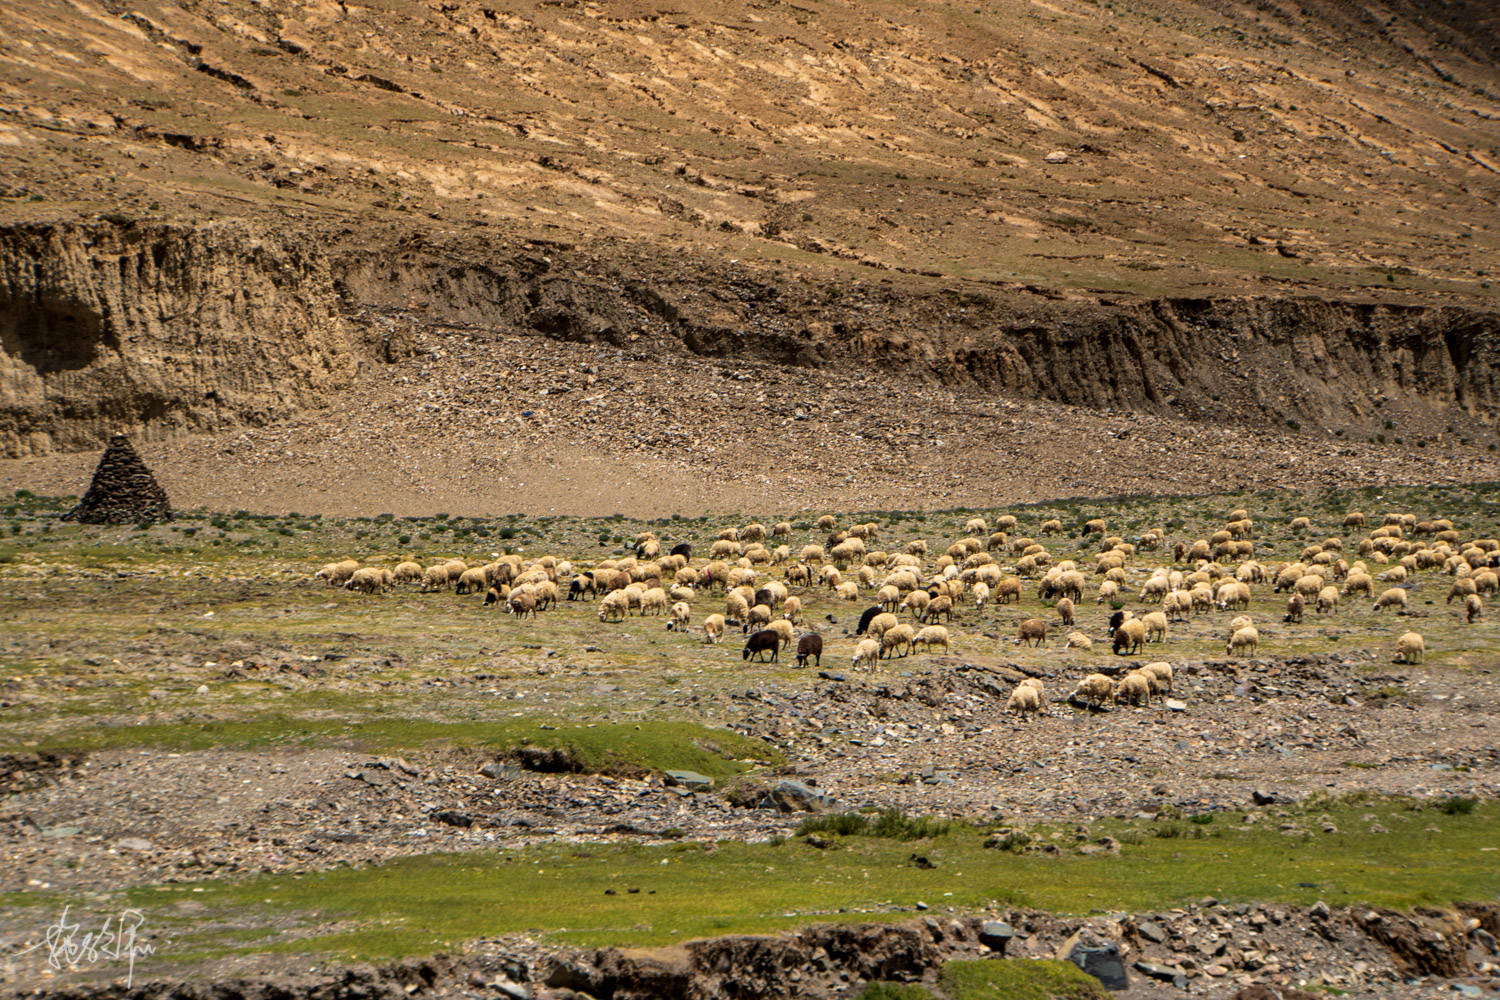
{"x": 1268, "y": 214}
{"x": 1362, "y": 137}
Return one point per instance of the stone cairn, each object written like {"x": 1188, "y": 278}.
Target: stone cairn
{"x": 122, "y": 490}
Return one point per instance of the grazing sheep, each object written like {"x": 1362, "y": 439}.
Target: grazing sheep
{"x": 932, "y": 635}
{"x": 654, "y": 601}
{"x": 713, "y": 628}
{"x": 1077, "y": 640}
{"x": 615, "y": 606}
{"x": 1301, "y": 524}
{"x": 1246, "y": 638}
{"x": 881, "y": 623}
{"x": 1354, "y": 519}
{"x": 896, "y": 637}
{"x": 980, "y": 593}
{"x": 1463, "y": 586}
{"x": 1133, "y": 689}
{"x": 1156, "y": 626}
{"x": 783, "y": 628}
{"x": 847, "y": 591}
{"x": 1094, "y": 527}
{"x": 760, "y": 643}
{"x": 1052, "y": 527}
{"x": 810, "y": 647}
{"x": 408, "y": 572}
{"x": 1294, "y": 607}
{"x": 1007, "y": 590}
{"x": 1032, "y": 632}
{"x": 1328, "y": 600}
{"x": 791, "y": 609}
{"x": 866, "y": 618}
{"x": 757, "y": 616}
{"x": 435, "y": 578}
{"x": 1359, "y": 582}
{"x": 1109, "y": 590}
{"x": 1129, "y": 636}
{"x": 1393, "y": 598}
{"x": 1024, "y": 700}
{"x": 1235, "y": 595}
{"x": 334, "y": 572}
{"x": 1117, "y": 619}
{"x": 1486, "y": 582}
{"x": 1093, "y": 690}
{"x": 976, "y": 526}
{"x": 1065, "y": 610}
{"x": 1410, "y": 648}
{"x": 368, "y": 580}
{"x": 736, "y": 607}
{"x": 938, "y": 606}
{"x": 916, "y": 602}
{"x": 1160, "y": 674}
{"x": 680, "y": 617}
{"x": 521, "y": 604}
{"x": 867, "y": 653}
{"x": 1473, "y": 607}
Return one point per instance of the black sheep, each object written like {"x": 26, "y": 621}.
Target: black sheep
{"x": 864, "y": 619}
{"x": 759, "y": 643}
{"x": 682, "y": 549}
{"x": 810, "y": 645}
{"x": 1115, "y": 621}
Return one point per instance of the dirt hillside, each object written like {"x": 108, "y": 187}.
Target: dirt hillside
{"x": 273, "y": 221}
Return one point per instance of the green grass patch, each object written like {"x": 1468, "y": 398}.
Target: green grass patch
{"x": 883, "y": 990}
{"x": 891, "y": 824}
{"x": 607, "y": 748}
{"x": 1019, "y": 979}
{"x": 597, "y": 894}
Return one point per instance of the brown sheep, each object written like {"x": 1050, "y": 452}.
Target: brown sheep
{"x": 1032, "y": 632}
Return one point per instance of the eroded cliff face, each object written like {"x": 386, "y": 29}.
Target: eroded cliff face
{"x": 1288, "y": 361}
{"x": 158, "y": 330}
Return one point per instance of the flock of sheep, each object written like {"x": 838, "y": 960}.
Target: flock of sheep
{"x": 753, "y": 571}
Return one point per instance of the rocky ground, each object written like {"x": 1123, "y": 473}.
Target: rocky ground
{"x": 936, "y": 743}
{"x": 480, "y": 425}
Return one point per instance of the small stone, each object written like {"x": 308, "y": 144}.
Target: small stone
{"x": 1174, "y": 705}
{"x": 996, "y": 935}
{"x": 134, "y": 844}
{"x": 1162, "y": 973}
{"x": 1263, "y": 798}
{"x": 1151, "y": 931}
{"x": 1216, "y": 970}
{"x": 1056, "y": 156}
{"x": 691, "y": 780}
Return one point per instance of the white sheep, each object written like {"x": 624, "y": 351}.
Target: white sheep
{"x": 1133, "y": 689}
{"x": 867, "y": 653}
{"x": 713, "y": 628}
{"x": 1024, "y": 700}
{"x": 1410, "y": 648}
{"x": 1093, "y": 689}
{"x": 1393, "y": 598}
{"x": 1246, "y": 638}
{"x": 932, "y": 635}
{"x": 614, "y": 607}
